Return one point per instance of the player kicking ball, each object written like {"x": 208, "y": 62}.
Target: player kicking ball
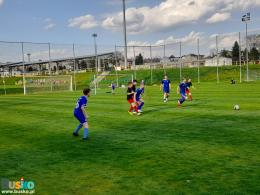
{"x": 166, "y": 86}
{"x": 188, "y": 86}
{"x": 182, "y": 91}
{"x": 132, "y": 99}
{"x": 138, "y": 97}
{"x": 81, "y": 115}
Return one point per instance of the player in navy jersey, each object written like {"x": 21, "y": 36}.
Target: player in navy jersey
{"x": 188, "y": 86}
{"x": 182, "y": 91}
{"x": 113, "y": 87}
{"x": 138, "y": 97}
{"x": 166, "y": 87}
{"x": 131, "y": 99}
{"x": 81, "y": 115}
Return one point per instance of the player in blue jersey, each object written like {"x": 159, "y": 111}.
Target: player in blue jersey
{"x": 138, "y": 97}
{"x": 182, "y": 91}
{"x": 188, "y": 86}
{"x": 113, "y": 87}
{"x": 166, "y": 87}
{"x": 81, "y": 115}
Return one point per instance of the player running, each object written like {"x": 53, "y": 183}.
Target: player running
{"x": 182, "y": 91}
{"x": 113, "y": 88}
{"x": 138, "y": 97}
{"x": 188, "y": 86}
{"x": 166, "y": 86}
{"x": 132, "y": 99}
{"x": 81, "y": 115}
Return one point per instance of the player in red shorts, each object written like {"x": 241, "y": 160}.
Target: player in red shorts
{"x": 188, "y": 86}
{"x": 131, "y": 99}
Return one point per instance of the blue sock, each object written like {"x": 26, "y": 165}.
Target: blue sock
{"x": 140, "y": 106}
{"x": 78, "y": 128}
{"x": 85, "y": 133}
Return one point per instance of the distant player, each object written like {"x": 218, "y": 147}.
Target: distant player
{"x": 81, "y": 115}
{"x": 131, "y": 99}
{"x": 138, "y": 97}
{"x": 166, "y": 87}
{"x": 188, "y": 86}
{"x": 182, "y": 91}
{"x": 113, "y": 88}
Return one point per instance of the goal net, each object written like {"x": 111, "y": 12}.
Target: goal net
{"x": 106, "y": 81}
{"x": 47, "y": 83}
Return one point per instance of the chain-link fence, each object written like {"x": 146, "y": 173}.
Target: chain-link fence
{"x": 223, "y": 57}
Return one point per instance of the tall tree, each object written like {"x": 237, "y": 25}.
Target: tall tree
{"x": 139, "y": 60}
{"x": 254, "y": 54}
{"x": 235, "y": 52}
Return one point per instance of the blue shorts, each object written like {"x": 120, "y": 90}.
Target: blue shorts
{"x": 166, "y": 90}
{"x": 183, "y": 95}
{"x": 81, "y": 118}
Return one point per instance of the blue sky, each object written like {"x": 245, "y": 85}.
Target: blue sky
{"x": 149, "y": 21}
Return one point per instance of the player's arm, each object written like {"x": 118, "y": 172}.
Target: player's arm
{"x": 84, "y": 111}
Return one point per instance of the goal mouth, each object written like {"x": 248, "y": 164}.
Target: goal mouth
{"x": 38, "y": 84}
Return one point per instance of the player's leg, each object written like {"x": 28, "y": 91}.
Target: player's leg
{"x": 140, "y": 105}
{"x": 182, "y": 100}
{"x": 85, "y": 137}
{"x": 164, "y": 96}
{"x": 76, "y": 131}
{"x": 167, "y": 96}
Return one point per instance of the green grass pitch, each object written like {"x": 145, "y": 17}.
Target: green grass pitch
{"x": 205, "y": 147}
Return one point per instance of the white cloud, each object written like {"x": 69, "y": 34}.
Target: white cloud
{"x": 1, "y": 2}
{"x": 191, "y": 38}
{"x": 83, "y": 22}
{"x": 218, "y": 17}
{"x": 49, "y": 26}
{"x": 170, "y": 14}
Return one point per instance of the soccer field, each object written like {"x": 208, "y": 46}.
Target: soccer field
{"x": 203, "y": 147}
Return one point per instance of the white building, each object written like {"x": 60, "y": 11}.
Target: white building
{"x": 221, "y": 61}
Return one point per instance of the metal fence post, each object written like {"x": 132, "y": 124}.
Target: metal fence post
{"x": 24, "y": 81}
{"x": 74, "y": 72}
{"x": 198, "y": 45}
{"x": 217, "y": 58}
{"x": 151, "y": 64}
{"x": 240, "y": 60}
{"x": 180, "y": 61}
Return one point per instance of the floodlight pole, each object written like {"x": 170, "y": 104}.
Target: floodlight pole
{"x": 125, "y": 35}
{"x": 134, "y": 60}
{"x": 94, "y": 35}
{"x": 245, "y": 19}
{"x": 247, "y": 61}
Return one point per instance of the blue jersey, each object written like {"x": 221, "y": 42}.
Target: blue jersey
{"x": 183, "y": 87}
{"x": 82, "y": 101}
{"x": 166, "y": 85}
{"x": 138, "y": 94}
{"x": 188, "y": 84}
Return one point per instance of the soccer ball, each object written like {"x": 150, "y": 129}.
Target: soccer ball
{"x": 236, "y": 107}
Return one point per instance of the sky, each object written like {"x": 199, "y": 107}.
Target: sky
{"x": 148, "y": 21}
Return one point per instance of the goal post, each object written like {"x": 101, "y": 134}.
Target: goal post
{"x": 34, "y": 84}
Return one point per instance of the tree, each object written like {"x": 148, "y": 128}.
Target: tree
{"x": 235, "y": 52}
{"x": 254, "y": 54}
{"x": 139, "y": 60}
{"x": 225, "y": 53}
